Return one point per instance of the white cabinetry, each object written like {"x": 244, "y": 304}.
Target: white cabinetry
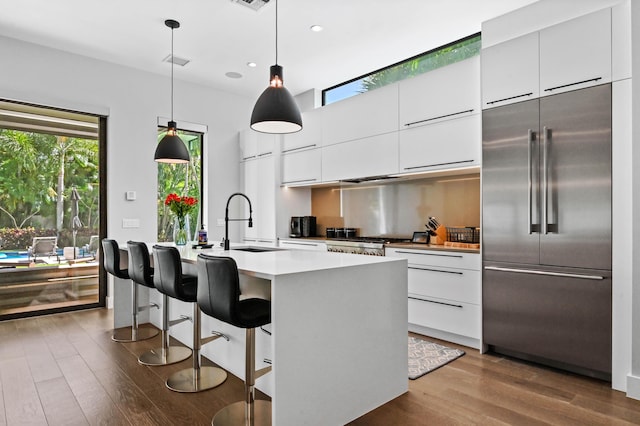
{"x": 510, "y": 71}
{"x": 446, "y": 144}
{"x": 444, "y": 93}
{"x": 576, "y": 53}
{"x": 372, "y": 156}
{"x": 309, "y": 137}
{"x": 301, "y": 167}
{"x": 445, "y": 294}
{"x": 440, "y": 118}
{"x": 254, "y": 144}
{"x": 368, "y": 114}
{"x": 260, "y": 187}
{"x": 303, "y": 245}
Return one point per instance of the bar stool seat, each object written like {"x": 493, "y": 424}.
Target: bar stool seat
{"x": 140, "y": 271}
{"x": 219, "y": 297}
{"x": 169, "y": 279}
{"x": 112, "y": 265}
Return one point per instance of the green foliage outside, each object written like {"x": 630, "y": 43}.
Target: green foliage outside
{"x": 37, "y": 173}
{"x": 422, "y": 64}
{"x": 182, "y": 179}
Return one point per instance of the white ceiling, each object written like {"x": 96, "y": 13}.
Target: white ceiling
{"x": 220, "y": 36}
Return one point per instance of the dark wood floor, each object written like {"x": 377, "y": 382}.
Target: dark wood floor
{"x": 65, "y": 370}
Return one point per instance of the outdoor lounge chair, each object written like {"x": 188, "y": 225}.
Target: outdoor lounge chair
{"x": 44, "y": 247}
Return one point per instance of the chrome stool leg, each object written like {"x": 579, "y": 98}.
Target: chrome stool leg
{"x": 133, "y": 333}
{"x": 250, "y": 411}
{"x": 197, "y": 378}
{"x": 166, "y": 354}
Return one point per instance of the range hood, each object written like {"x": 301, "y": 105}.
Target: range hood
{"x": 369, "y": 179}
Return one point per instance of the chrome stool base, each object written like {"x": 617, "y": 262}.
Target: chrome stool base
{"x": 234, "y": 414}
{"x": 129, "y": 334}
{"x": 172, "y": 355}
{"x": 184, "y": 381}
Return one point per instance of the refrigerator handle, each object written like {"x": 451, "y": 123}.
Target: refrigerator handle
{"x": 530, "y": 137}
{"x": 545, "y": 180}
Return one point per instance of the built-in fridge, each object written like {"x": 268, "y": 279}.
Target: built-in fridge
{"x": 546, "y": 230}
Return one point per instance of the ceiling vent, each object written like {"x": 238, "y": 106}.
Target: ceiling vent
{"x": 176, "y": 60}
{"x": 252, "y": 4}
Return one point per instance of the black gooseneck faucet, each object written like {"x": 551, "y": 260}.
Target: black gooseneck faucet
{"x": 226, "y": 218}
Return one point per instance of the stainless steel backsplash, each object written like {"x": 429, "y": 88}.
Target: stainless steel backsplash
{"x": 397, "y": 209}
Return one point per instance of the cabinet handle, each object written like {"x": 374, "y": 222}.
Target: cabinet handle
{"x": 437, "y": 303}
{"x": 509, "y": 98}
{"x": 265, "y": 241}
{"x": 298, "y": 148}
{"x": 299, "y": 181}
{"x": 439, "y": 164}
{"x": 548, "y": 273}
{"x": 572, "y": 84}
{"x": 530, "y": 137}
{"x": 436, "y": 270}
{"x": 430, "y": 254}
{"x": 299, "y": 244}
{"x": 437, "y": 118}
{"x": 546, "y": 136}
{"x": 265, "y": 153}
{"x": 249, "y": 157}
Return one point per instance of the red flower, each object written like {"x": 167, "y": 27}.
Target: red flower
{"x": 180, "y": 206}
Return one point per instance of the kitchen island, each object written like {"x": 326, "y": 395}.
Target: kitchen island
{"x": 339, "y": 331}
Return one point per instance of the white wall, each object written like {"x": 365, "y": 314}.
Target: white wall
{"x": 133, "y": 100}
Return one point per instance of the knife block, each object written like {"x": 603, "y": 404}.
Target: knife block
{"x": 441, "y": 236}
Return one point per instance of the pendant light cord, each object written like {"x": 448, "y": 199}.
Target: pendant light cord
{"x": 276, "y": 32}
{"x": 172, "y": 60}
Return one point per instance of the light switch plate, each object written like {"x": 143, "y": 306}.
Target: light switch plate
{"x": 130, "y": 195}
{"x": 131, "y": 223}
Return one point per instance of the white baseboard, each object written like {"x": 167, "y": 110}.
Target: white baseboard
{"x": 109, "y": 301}
{"x": 633, "y": 386}
{"x": 443, "y": 335}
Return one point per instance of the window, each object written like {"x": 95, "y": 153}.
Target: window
{"x": 181, "y": 179}
{"x": 420, "y": 64}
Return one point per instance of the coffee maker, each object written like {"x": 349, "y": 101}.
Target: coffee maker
{"x": 302, "y": 226}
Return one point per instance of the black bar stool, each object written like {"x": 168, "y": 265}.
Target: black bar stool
{"x": 141, "y": 272}
{"x": 169, "y": 279}
{"x": 112, "y": 265}
{"x": 219, "y": 297}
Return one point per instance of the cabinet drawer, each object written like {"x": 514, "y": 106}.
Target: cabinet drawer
{"x": 304, "y": 245}
{"x": 458, "y": 318}
{"x": 447, "y": 259}
{"x": 451, "y": 284}
{"x": 373, "y": 156}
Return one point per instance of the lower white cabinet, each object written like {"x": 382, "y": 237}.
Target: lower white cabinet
{"x": 303, "y": 245}
{"x": 445, "y": 294}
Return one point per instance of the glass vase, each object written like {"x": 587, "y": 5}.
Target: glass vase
{"x": 181, "y": 231}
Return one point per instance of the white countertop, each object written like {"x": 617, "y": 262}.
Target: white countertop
{"x": 282, "y": 261}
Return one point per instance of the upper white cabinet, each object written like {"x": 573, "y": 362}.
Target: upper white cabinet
{"x": 510, "y": 71}
{"x": 368, "y": 114}
{"x": 373, "y": 156}
{"x": 576, "y": 53}
{"x": 443, "y": 145}
{"x": 254, "y": 144}
{"x": 309, "y": 137}
{"x": 444, "y": 93}
{"x": 301, "y": 167}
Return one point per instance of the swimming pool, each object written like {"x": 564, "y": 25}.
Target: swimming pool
{"x": 14, "y": 255}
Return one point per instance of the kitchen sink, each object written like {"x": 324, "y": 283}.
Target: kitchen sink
{"x": 256, "y": 249}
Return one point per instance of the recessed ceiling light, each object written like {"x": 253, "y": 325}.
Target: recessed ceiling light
{"x": 233, "y": 74}
{"x": 316, "y": 28}
{"x": 252, "y": 64}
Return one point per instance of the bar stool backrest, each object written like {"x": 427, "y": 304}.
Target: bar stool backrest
{"x": 167, "y": 276}
{"x": 140, "y": 269}
{"x": 112, "y": 259}
{"x": 219, "y": 288}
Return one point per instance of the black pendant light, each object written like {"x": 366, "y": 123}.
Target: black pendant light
{"x": 276, "y": 110}
{"x": 171, "y": 149}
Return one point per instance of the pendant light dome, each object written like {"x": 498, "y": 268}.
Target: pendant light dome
{"x": 275, "y": 110}
{"x": 171, "y": 148}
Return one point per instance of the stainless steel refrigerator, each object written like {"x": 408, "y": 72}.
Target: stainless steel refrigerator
{"x": 546, "y": 230}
